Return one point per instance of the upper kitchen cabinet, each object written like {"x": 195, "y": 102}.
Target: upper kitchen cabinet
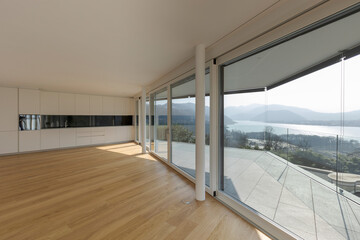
{"x": 117, "y": 105}
{"x": 67, "y": 104}
{"x": 96, "y": 105}
{"x": 127, "y": 106}
{"x": 82, "y": 104}
{"x": 29, "y": 101}
{"x": 109, "y": 106}
{"x": 8, "y": 109}
{"x": 49, "y": 103}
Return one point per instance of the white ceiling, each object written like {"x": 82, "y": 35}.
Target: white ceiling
{"x": 108, "y": 47}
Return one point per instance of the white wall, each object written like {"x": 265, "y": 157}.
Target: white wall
{"x": 15, "y": 101}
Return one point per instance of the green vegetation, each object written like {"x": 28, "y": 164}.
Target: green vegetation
{"x": 306, "y": 150}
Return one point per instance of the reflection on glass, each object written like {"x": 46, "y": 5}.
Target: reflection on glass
{"x": 29, "y": 122}
{"x": 161, "y": 130}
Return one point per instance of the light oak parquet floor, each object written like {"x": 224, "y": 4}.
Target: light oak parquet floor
{"x": 107, "y": 192}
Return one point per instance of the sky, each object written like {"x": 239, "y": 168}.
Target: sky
{"x": 319, "y": 91}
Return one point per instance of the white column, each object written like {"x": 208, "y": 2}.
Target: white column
{"x": 168, "y": 132}
{"x": 200, "y": 123}
{"x": 143, "y": 120}
{"x": 214, "y": 127}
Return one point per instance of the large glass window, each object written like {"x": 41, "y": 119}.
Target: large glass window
{"x": 147, "y": 130}
{"x": 152, "y": 121}
{"x": 291, "y": 135}
{"x": 183, "y": 125}
{"x": 137, "y": 132}
{"x": 161, "y": 130}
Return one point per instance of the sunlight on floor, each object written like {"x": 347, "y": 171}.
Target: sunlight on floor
{"x": 121, "y": 148}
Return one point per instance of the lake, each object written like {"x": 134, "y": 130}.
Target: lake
{"x": 281, "y": 128}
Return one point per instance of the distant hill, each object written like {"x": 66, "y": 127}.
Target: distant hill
{"x": 279, "y": 116}
{"x": 288, "y": 114}
{"x": 187, "y": 109}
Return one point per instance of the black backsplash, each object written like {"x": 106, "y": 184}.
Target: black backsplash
{"x": 78, "y": 121}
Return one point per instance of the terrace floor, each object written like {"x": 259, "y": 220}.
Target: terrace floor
{"x": 297, "y": 199}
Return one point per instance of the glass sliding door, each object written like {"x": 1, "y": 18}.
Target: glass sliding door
{"x": 161, "y": 130}
{"x": 290, "y": 135}
{"x": 137, "y": 132}
{"x": 183, "y": 125}
{"x": 207, "y": 127}
{"x": 147, "y": 130}
{"x": 349, "y": 150}
{"x": 183, "y": 118}
{"x": 152, "y": 122}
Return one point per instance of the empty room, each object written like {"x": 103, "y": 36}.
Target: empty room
{"x": 182, "y": 119}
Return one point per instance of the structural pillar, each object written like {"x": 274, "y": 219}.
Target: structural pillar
{"x": 143, "y": 120}
{"x": 200, "y": 122}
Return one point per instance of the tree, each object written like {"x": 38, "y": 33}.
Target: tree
{"x": 182, "y": 134}
{"x": 304, "y": 144}
{"x": 268, "y": 137}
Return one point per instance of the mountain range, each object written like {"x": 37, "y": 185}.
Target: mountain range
{"x": 186, "y": 109}
{"x": 287, "y": 114}
{"x": 271, "y": 113}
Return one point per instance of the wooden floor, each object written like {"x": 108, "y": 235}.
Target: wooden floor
{"x": 108, "y": 192}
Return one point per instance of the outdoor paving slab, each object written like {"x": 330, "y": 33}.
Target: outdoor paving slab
{"x": 264, "y": 161}
{"x": 326, "y": 231}
{"x": 276, "y": 169}
{"x": 327, "y": 206}
{"x": 247, "y": 181}
{"x": 356, "y": 209}
{"x": 303, "y": 224}
{"x": 236, "y": 162}
{"x": 265, "y": 196}
{"x": 351, "y": 222}
{"x": 299, "y": 185}
{"x": 287, "y": 197}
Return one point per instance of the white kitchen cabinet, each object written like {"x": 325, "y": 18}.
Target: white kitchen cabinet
{"x": 9, "y": 109}
{"x": 122, "y": 106}
{"x": 50, "y": 139}
{"x": 117, "y": 105}
{"x": 83, "y": 136}
{"x": 96, "y": 105}
{"x": 97, "y": 135}
{"x": 82, "y": 104}
{"x": 67, "y": 137}
{"x": 49, "y": 103}
{"x": 29, "y": 101}
{"x": 8, "y": 142}
{"x": 29, "y": 141}
{"x": 111, "y": 134}
{"x": 67, "y": 104}
{"x": 131, "y": 108}
{"x": 128, "y": 106}
{"x": 108, "y": 106}
{"x": 125, "y": 134}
